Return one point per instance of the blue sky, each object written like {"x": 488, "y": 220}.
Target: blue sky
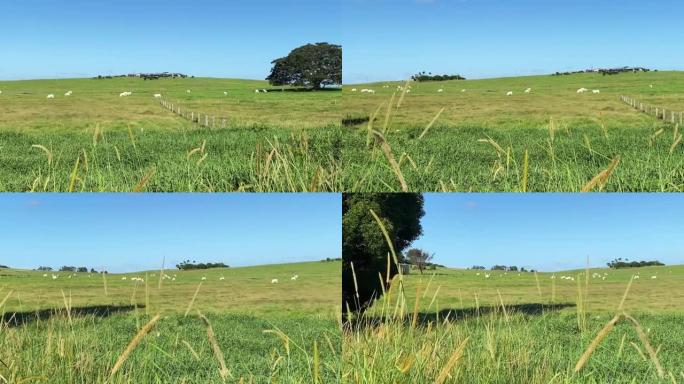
{"x": 552, "y": 231}
{"x": 392, "y": 39}
{"x": 132, "y": 232}
{"x": 234, "y": 38}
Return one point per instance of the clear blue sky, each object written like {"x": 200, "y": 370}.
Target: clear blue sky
{"x": 552, "y": 231}
{"x": 133, "y": 232}
{"x": 392, "y": 39}
{"x": 220, "y": 38}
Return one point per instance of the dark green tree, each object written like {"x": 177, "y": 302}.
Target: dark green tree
{"x": 364, "y": 245}
{"x": 419, "y": 258}
{"x": 311, "y": 65}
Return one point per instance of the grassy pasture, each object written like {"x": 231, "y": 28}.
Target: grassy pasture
{"x": 450, "y": 325}
{"x": 286, "y": 332}
{"x": 95, "y": 140}
{"x": 569, "y": 137}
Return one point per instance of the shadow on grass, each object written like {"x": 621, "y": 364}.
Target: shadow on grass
{"x": 461, "y": 314}
{"x": 17, "y": 319}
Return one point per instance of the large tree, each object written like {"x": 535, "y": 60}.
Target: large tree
{"x": 419, "y": 258}
{"x": 311, "y": 65}
{"x": 364, "y": 244}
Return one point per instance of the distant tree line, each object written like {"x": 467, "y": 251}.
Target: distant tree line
{"x": 189, "y": 265}
{"x": 511, "y": 268}
{"x": 145, "y": 76}
{"x": 3, "y": 266}
{"x": 428, "y": 76}
{"x": 328, "y": 259}
{"x": 67, "y": 268}
{"x": 605, "y": 71}
{"x": 624, "y": 263}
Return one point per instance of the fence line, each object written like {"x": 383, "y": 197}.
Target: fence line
{"x": 664, "y": 114}
{"x": 203, "y": 120}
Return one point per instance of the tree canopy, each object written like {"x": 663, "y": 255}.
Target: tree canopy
{"x": 364, "y": 245}
{"x": 311, "y": 65}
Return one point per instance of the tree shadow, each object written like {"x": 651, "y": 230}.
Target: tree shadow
{"x": 304, "y": 89}
{"x": 17, "y": 319}
{"x": 462, "y": 314}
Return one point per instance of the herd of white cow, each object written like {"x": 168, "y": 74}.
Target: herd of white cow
{"x": 138, "y": 279}
{"x": 595, "y": 275}
{"x": 407, "y": 89}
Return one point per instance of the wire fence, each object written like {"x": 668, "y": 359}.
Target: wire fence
{"x": 670, "y": 116}
{"x": 203, "y": 120}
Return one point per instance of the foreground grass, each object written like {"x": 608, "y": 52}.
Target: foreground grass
{"x": 460, "y": 326}
{"x": 177, "y": 350}
{"x": 73, "y": 328}
{"x": 552, "y": 139}
{"x": 95, "y": 140}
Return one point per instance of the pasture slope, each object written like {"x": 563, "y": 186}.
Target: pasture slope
{"x": 476, "y": 138}
{"x": 95, "y": 140}
{"x": 74, "y": 330}
{"x": 462, "y": 326}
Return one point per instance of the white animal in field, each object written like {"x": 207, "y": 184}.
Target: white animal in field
{"x": 274, "y": 281}
{"x": 509, "y": 93}
{"x": 0, "y": 92}
{"x": 582, "y": 90}
{"x": 51, "y": 96}
{"x": 463, "y": 90}
{"x": 68, "y": 93}
{"x": 650, "y": 86}
{"x": 123, "y": 278}
{"x": 477, "y": 274}
{"x": 636, "y": 277}
{"x": 385, "y": 86}
{"x": 225, "y": 93}
{"x": 127, "y": 93}
{"x": 222, "y": 278}
{"x": 407, "y": 91}
{"x": 187, "y": 91}
{"x": 294, "y": 277}
{"x": 486, "y": 275}
{"x": 204, "y": 278}
{"x": 44, "y": 274}
{"x": 528, "y": 90}
{"x": 157, "y": 95}
{"x": 54, "y": 277}
{"x": 353, "y": 89}
{"x": 264, "y": 91}
{"x": 440, "y": 90}
{"x": 173, "y": 279}
{"x": 595, "y": 91}
{"x": 553, "y": 277}
{"x": 654, "y": 277}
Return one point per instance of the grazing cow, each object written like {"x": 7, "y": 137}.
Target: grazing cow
{"x": 636, "y": 277}
{"x": 294, "y": 277}
{"x": 256, "y": 91}
{"x": 187, "y": 91}
{"x": 123, "y": 278}
{"x": 596, "y": 91}
{"x": 44, "y": 274}
{"x": 274, "y": 281}
{"x": 204, "y": 278}
{"x": 582, "y": 90}
{"x": 54, "y": 277}
{"x": 51, "y": 96}
{"x": 225, "y": 93}
{"x": 68, "y": 93}
{"x": 157, "y": 95}
{"x": 440, "y": 90}
{"x": 353, "y": 90}
{"x": 463, "y": 90}
{"x": 0, "y": 92}
{"x": 654, "y": 277}
{"x": 222, "y": 278}
{"x": 528, "y": 90}
{"x": 509, "y": 93}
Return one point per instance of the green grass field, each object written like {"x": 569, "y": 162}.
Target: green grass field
{"x": 95, "y": 140}
{"x": 461, "y": 326}
{"x": 481, "y": 138}
{"x": 73, "y": 329}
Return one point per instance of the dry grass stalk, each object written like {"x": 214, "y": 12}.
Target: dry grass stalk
{"x": 223, "y": 370}
{"x": 387, "y": 150}
{"x": 597, "y": 340}
{"x": 649, "y": 348}
{"x": 455, "y": 357}
{"x": 47, "y": 152}
{"x": 192, "y": 301}
{"x": 144, "y": 180}
{"x": 602, "y": 177}
{"x": 427, "y": 128}
{"x": 134, "y": 343}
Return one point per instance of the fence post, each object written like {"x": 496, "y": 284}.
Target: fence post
{"x": 206, "y": 121}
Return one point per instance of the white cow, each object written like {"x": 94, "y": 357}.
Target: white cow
{"x": 225, "y": 93}
{"x": 353, "y": 89}
{"x": 528, "y": 90}
{"x": 123, "y": 278}
{"x": 294, "y": 277}
{"x": 463, "y": 90}
{"x": 595, "y": 91}
{"x": 157, "y": 95}
{"x": 44, "y": 274}
{"x": 187, "y": 91}
{"x": 222, "y": 278}
{"x": 274, "y": 281}
{"x": 127, "y": 93}
{"x": 68, "y": 93}
{"x": 51, "y": 96}
{"x": 582, "y": 90}
{"x": 509, "y": 93}
{"x": 204, "y": 278}
{"x": 440, "y": 90}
